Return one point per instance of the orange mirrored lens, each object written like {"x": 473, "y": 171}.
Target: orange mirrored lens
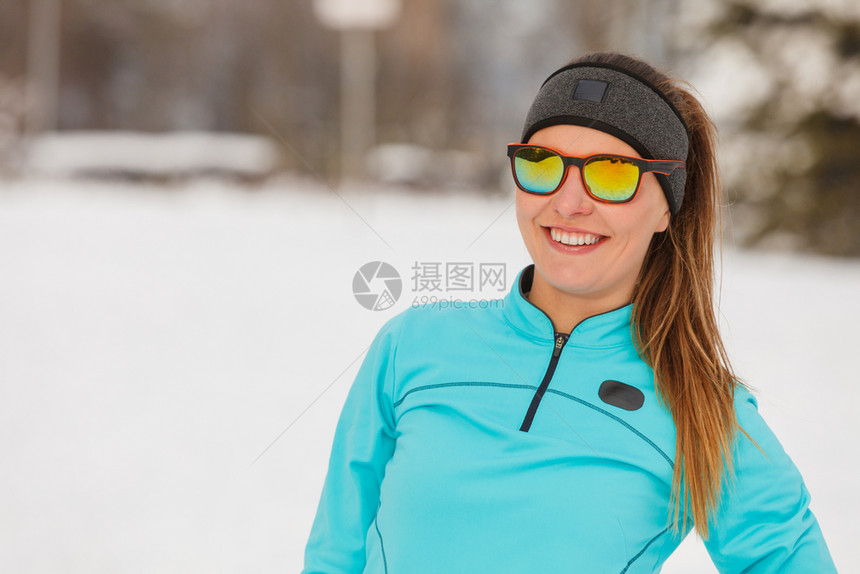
{"x": 611, "y": 178}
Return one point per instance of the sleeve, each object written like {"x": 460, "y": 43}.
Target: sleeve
{"x": 363, "y": 443}
{"x": 764, "y": 523}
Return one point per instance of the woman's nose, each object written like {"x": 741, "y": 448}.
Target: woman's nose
{"x": 572, "y": 198}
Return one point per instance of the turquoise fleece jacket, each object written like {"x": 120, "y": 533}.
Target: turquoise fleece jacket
{"x": 479, "y": 440}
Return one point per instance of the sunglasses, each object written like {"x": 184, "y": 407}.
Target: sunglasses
{"x": 607, "y": 177}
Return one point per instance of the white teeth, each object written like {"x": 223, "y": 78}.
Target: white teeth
{"x": 573, "y": 238}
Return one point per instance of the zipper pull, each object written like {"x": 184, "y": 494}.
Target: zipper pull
{"x": 560, "y": 340}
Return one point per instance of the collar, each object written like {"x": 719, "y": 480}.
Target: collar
{"x": 610, "y": 329}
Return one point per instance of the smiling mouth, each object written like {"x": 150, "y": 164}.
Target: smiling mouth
{"x": 574, "y": 238}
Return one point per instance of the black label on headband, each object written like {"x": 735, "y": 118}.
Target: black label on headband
{"x": 590, "y": 90}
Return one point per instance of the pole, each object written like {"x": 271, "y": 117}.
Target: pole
{"x": 43, "y": 66}
{"x": 357, "y": 97}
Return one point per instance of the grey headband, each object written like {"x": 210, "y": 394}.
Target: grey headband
{"x": 620, "y": 103}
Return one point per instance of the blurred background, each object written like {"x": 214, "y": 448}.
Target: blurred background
{"x": 187, "y": 188}
{"x": 434, "y": 83}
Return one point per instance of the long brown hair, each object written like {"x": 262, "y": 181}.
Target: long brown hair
{"x": 674, "y": 320}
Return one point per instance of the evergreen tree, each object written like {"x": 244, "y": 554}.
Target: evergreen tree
{"x": 795, "y": 151}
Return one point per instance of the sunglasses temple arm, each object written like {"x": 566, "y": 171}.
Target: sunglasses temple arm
{"x": 666, "y": 167}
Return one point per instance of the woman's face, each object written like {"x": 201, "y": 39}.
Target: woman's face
{"x": 604, "y": 271}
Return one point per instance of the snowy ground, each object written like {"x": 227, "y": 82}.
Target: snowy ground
{"x": 154, "y": 342}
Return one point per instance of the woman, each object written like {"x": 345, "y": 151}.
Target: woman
{"x": 592, "y": 420}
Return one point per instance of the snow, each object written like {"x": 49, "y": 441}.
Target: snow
{"x": 167, "y": 153}
{"x": 725, "y": 101}
{"x": 156, "y": 341}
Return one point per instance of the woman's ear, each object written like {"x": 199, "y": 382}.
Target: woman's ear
{"x": 663, "y": 222}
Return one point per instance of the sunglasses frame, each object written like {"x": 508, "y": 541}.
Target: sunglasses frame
{"x": 662, "y": 166}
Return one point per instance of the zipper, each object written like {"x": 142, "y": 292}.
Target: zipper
{"x": 560, "y": 340}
